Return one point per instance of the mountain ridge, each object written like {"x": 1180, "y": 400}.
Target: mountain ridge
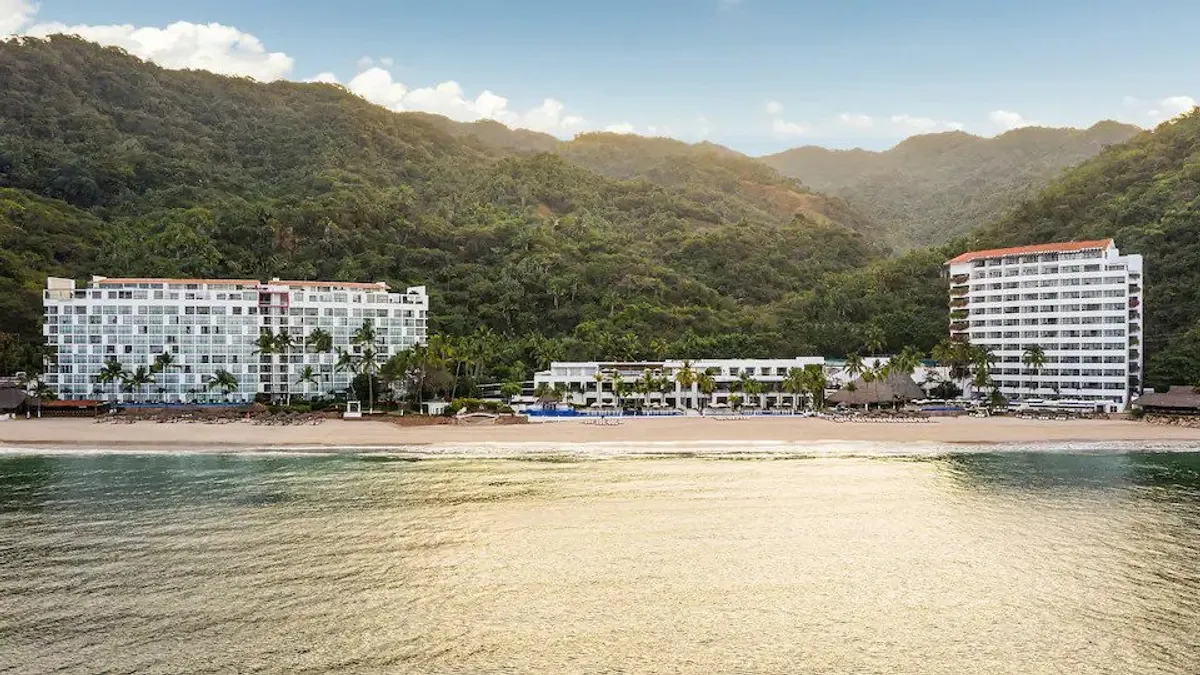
{"x": 930, "y": 188}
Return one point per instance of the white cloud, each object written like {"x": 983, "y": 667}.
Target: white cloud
{"x": 214, "y": 47}
{"x": 856, "y": 120}
{"x": 14, "y": 15}
{"x": 1172, "y": 106}
{"x": 785, "y": 128}
{"x": 620, "y": 128}
{"x": 327, "y": 78}
{"x": 1006, "y": 120}
{"x": 387, "y": 62}
{"x": 549, "y": 118}
{"x": 365, "y": 63}
{"x": 378, "y": 86}
{"x": 1156, "y": 111}
{"x": 774, "y": 107}
{"x": 910, "y": 124}
{"x": 702, "y": 127}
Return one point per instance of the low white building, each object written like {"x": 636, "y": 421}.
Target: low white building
{"x": 596, "y": 383}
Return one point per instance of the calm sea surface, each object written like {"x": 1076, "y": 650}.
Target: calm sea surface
{"x": 1006, "y": 562}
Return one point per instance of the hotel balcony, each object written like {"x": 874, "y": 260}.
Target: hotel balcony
{"x": 1135, "y": 328}
{"x": 959, "y": 292}
{"x": 958, "y": 315}
{"x": 959, "y": 326}
{"x": 1134, "y": 302}
{"x": 959, "y": 279}
{"x": 1134, "y": 314}
{"x": 958, "y": 303}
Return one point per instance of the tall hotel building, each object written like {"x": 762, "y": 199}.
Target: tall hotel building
{"x": 1081, "y": 302}
{"x": 209, "y": 325}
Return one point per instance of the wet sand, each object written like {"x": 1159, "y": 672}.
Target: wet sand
{"x": 84, "y": 433}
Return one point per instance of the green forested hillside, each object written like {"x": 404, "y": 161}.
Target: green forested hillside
{"x": 929, "y": 189}
{"x": 732, "y": 184}
{"x": 137, "y": 170}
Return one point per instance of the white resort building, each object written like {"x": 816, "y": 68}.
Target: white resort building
{"x": 595, "y": 383}
{"x": 1081, "y": 302}
{"x": 213, "y": 325}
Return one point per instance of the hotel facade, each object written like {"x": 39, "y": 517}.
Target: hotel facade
{"x": 212, "y": 325}
{"x": 1080, "y": 302}
{"x": 594, "y": 383}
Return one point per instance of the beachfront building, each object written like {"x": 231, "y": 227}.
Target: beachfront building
{"x": 1080, "y": 302}
{"x": 213, "y": 326}
{"x": 757, "y": 382}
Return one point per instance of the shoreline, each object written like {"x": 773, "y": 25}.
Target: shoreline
{"x": 647, "y": 436}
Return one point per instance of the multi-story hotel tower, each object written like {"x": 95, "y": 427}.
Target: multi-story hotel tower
{"x": 212, "y": 325}
{"x": 1081, "y": 302}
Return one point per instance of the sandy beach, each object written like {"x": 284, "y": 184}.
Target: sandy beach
{"x": 77, "y": 433}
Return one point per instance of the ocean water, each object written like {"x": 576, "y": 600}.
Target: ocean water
{"x": 990, "y": 562}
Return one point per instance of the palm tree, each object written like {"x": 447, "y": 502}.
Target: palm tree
{"x": 368, "y": 364}
{"x": 1034, "y": 359}
{"x": 814, "y": 380}
{"x": 510, "y": 389}
{"x": 140, "y": 377}
{"x": 686, "y": 377}
{"x": 307, "y": 376}
{"x": 265, "y": 347}
{"x": 112, "y": 372}
{"x": 955, "y": 354}
{"x": 795, "y": 383}
{"x": 164, "y": 362}
{"x": 906, "y": 362}
{"x": 875, "y": 340}
{"x": 747, "y": 385}
{"x": 264, "y": 344}
{"x": 319, "y": 341}
{"x": 222, "y": 379}
{"x": 982, "y": 359}
{"x": 284, "y": 345}
{"x": 620, "y": 387}
{"x": 855, "y": 366}
{"x": 368, "y": 358}
{"x": 648, "y": 383}
{"x": 706, "y": 382}
{"x": 346, "y": 363}
{"x": 599, "y": 377}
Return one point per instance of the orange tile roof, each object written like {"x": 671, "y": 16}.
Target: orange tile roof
{"x": 244, "y": 282}
{"x": 138, "y": 280}
{"x": 378, "y": 285}
{"x": 1059, "y": 247}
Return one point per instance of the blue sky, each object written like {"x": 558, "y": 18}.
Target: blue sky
{"x": 758, "y": 75}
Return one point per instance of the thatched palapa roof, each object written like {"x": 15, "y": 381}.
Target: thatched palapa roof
{"x": 895, "y": 387}
{"x": 1176, "y": 398}
{"x": 11, "y": 398}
